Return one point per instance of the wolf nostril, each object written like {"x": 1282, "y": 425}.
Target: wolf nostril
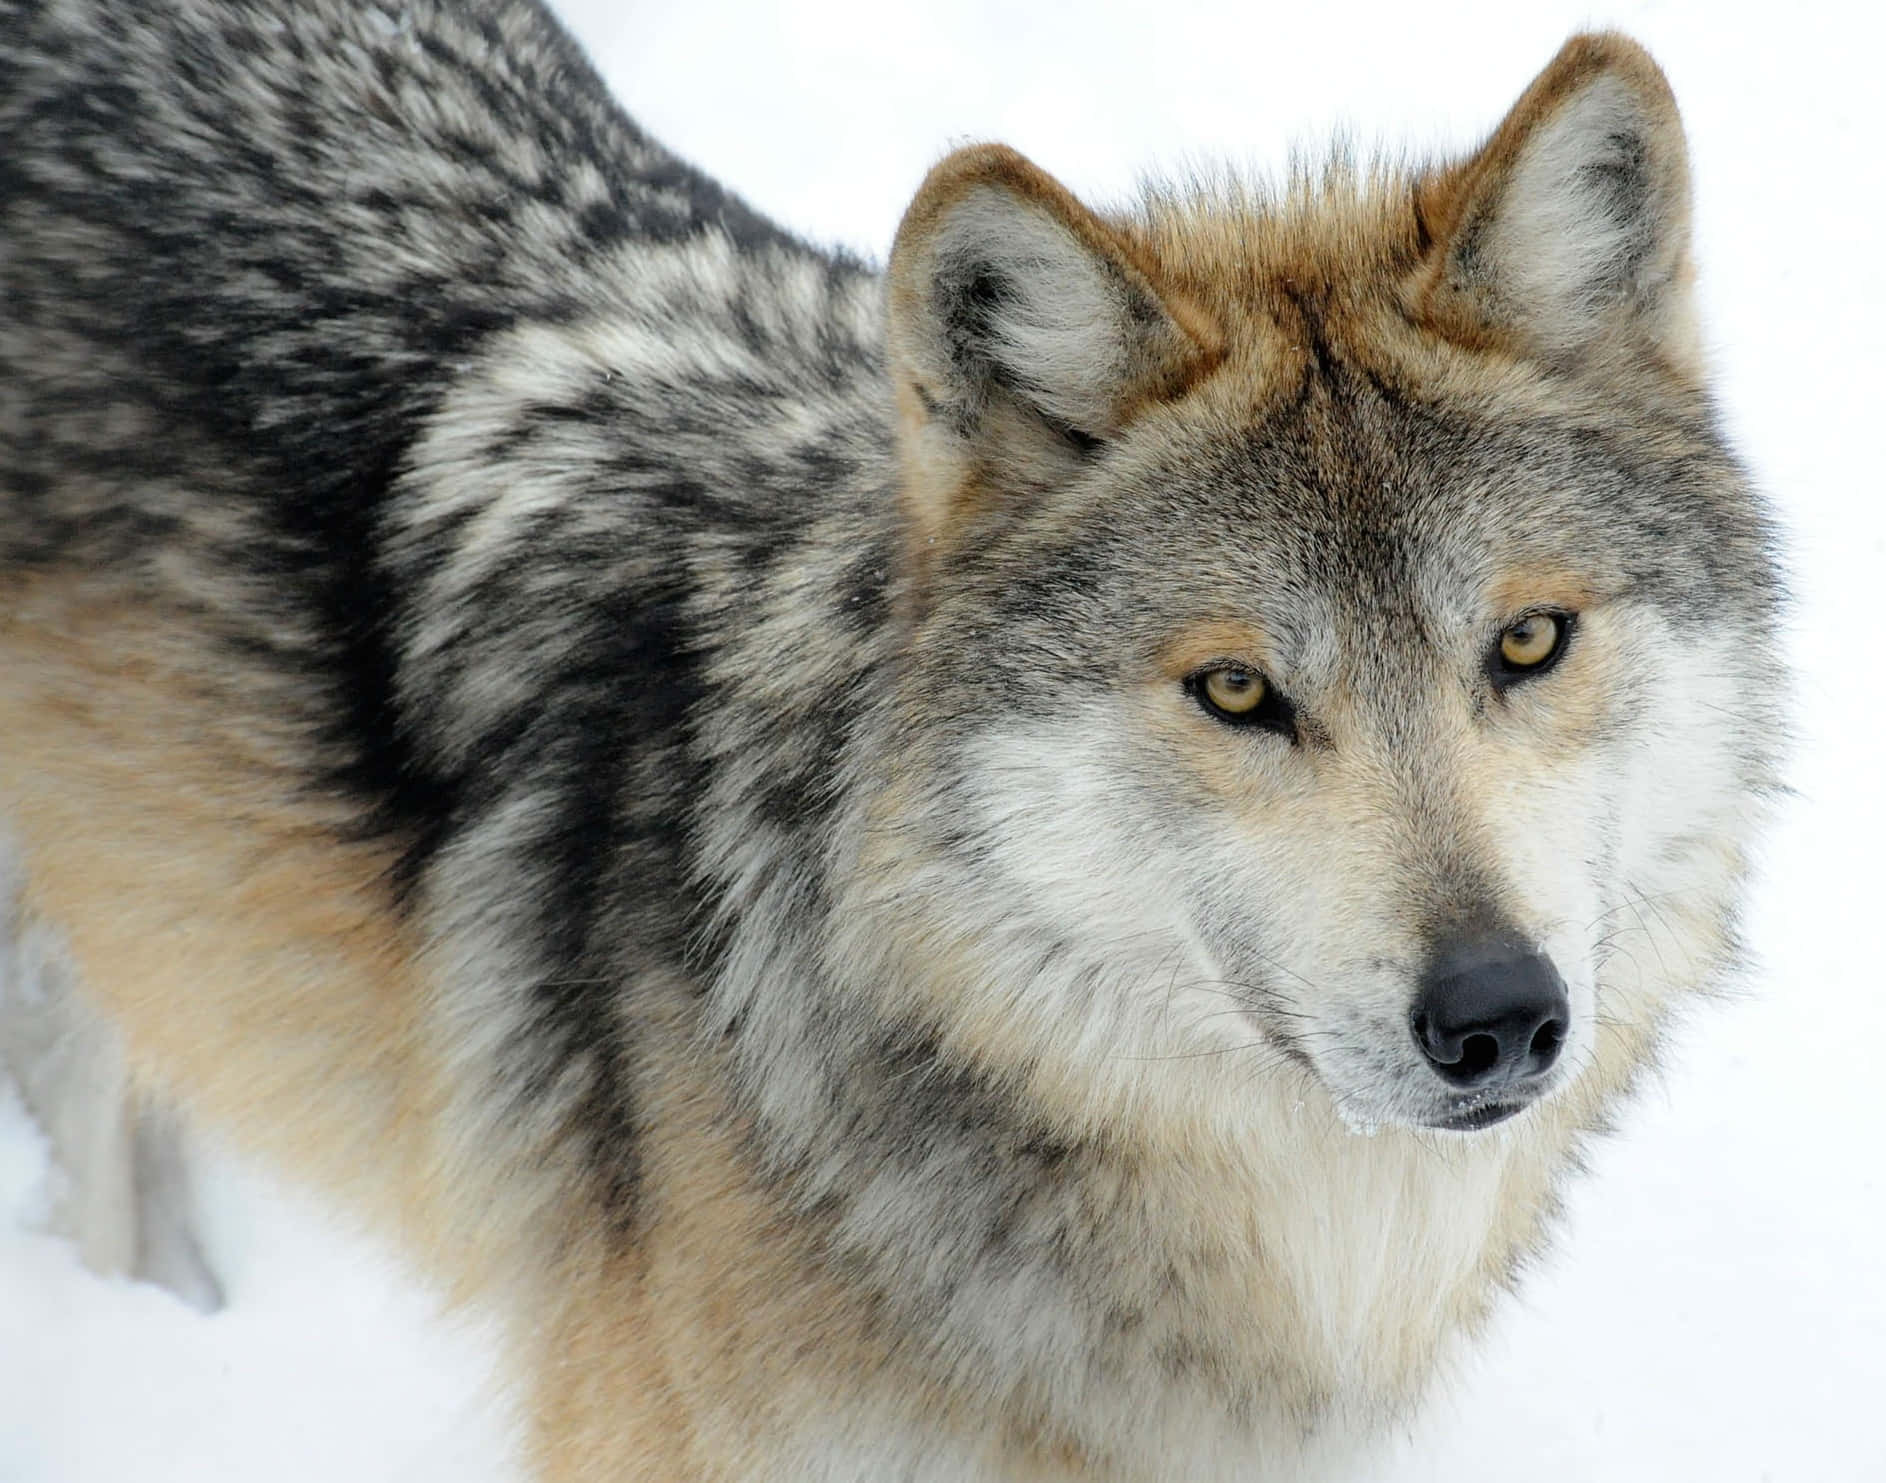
{"x": 1478, "y": 1054}
{"x": 1491, "y": 1012}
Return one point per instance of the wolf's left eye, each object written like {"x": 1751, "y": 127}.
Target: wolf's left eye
{"x": 1531, "y": 646}
{"x": 1242, "y": 697}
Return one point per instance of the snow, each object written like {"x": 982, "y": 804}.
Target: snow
{"x": 1716, "y": 1307}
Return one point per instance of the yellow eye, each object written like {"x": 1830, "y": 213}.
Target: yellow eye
{"x": 1235, "y": 692}
{"x": 1239, "y": 696}
{"x": 1534, "y": 641}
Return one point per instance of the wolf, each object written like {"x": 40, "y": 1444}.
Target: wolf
{"x": 1032, "y": 866}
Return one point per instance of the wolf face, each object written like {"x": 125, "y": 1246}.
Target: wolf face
{"x": 1328, "y": 610}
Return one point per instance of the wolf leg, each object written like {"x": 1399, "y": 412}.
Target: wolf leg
{"x": 126, "y": 1200}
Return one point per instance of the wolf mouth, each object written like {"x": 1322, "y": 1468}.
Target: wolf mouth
{"x": 1480, "y": 1115}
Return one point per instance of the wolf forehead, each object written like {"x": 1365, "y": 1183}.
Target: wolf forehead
{"x": 1343, "y": 486}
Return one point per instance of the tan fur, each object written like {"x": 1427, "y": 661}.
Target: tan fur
{"x": 1227, "y": 639}
{"x": 257, "y": 974}
{"x": 1365, "y": 251}
{"x": 641, "y": 1347}
{"x": 248, "y": 957}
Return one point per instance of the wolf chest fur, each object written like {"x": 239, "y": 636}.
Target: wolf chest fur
{"x": 1030, "y": 867}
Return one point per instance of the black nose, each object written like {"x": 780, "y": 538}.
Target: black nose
{"x": 1491, "y": 1013}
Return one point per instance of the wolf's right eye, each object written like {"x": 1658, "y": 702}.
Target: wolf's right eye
{"x": 1242, "y": 697}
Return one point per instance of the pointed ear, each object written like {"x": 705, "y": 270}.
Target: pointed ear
{"x": 1023, "y": 332}
{"x": 1571, "y": 225}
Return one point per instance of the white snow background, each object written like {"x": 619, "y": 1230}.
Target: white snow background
{"x": 1716, "y": 1307}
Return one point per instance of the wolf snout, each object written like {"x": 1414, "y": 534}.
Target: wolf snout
{"x": 1491, "y": 1013}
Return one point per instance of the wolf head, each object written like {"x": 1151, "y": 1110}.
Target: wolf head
{"x": 1340, "y": 637}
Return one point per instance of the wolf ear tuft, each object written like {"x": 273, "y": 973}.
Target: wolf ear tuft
{"x": 1572, "y": 222}
{"x": 1023, "y": 332}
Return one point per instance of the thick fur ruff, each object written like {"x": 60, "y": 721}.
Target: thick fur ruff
{"x": 680, "y": 774}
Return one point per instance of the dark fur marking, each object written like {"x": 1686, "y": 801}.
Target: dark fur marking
{"x": 1324, "y": 363}
{"x": 969, "y": 296}
{"x": 581, "y": 749}
{"x": 866, "y": 590}
{"x": 1620, "y": 186}
{"x": 1466, "y": 264}
{"x": 1424, "y": 237}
